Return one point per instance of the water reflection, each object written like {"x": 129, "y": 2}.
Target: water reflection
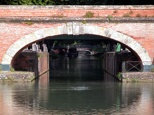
{"x": 80, "y": 97}
{"x": 80, "y": 68}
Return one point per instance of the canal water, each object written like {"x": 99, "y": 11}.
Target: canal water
{"x": 83, "y": 67}
{"x": 82, "y": 92}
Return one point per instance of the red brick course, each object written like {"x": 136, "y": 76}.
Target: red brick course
{"x": 75, "y": 13}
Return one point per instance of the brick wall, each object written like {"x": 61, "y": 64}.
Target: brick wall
{"x": 12, "y": 31}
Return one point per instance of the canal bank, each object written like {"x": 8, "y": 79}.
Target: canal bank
{"x": 30, "y": 76}
{"x": 137, "y": 77}
{"x": 17, "y": 76}
{"x": 28, "y": 66}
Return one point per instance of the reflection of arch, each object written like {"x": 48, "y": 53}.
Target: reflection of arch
{"x": 75, "y": 28}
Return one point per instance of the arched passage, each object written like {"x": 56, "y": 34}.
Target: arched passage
{"x": 76, "y": 28}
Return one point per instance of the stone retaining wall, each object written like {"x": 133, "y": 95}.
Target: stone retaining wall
{"x": 17, "y": 76}
{"x": 138, "y": 77}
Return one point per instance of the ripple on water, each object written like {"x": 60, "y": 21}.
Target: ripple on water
{"x": 79, "y": 88}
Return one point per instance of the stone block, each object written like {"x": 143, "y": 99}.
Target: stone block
{"x": 31, "y": 38}
{"x": 6, "y": 59}
{"x": 91, "y": 30}
{"x": 76, "y": 28}
{"x": 12, "y": 50}
{"x": 69, "y": 28}
{"x": 101, "y": 31}
{"x": 39, "y": 34}
{"x": 108, "y": 33}
{"x": 56, "y": 31}
{"x": 61, "y": 30}
{"x": 117, "y": 36}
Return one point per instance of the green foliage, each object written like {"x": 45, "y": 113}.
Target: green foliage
{"x": 152, "y": 69}
{"x": 28, "y": 2}
{"x": 138, "y": 15}
{"x": 74, "y": 2}
{"x": 146, "y": 15}
{"x": 30, "y": 78}
{"x": 29, "y": 23}
{"x": 0, "y": 68}
{"x": 23, "y": 2}
{"x": 43, "y": 2}
{"x": 115, "y": 11}
{"x": 11, "y": 69}
{"x": 110, "y": 16}
{"x": 84, "y": 22}
{"x": 126, "y": 15}
{"x": 135, "y": 79}
{"x": 119, "y": 76}
{"x": 38, "y": 55}
{"x": 131, "y": 12}
{"x": 11, "y": 78}
{"x": 75, "y": 43}
{"x": 88, "y": 15}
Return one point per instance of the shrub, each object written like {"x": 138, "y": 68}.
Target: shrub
{"x": 146, "y": 15}
{"x": 88, "y": 15}
{"x": 135, "y": 79}
{"x": 131, "y": 12}
{"x": 11, "y": 69}
{"x": 110, "y": 16}
{"x": 119, "y": 76}
{"x": 84, "y": 22}
{"x": 38, "y": 55}
{"x": 115, "y": 11}
{"x": 152, "y": 69}
{"x": 138, "y": 15}
{"x": 29, "y": 23}
{"x": 126, "y": 15}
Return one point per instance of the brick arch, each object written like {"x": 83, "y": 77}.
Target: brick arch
{"x": 75, "y": 29}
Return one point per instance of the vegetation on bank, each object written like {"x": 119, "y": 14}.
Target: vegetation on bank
{"x": 75, "y": 2}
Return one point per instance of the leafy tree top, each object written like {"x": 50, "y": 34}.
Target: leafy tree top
{"x": 76, "y": 2}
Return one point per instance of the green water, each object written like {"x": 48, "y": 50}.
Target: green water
{"x": 76, "y": 90}
{"x": 77, "y": 98}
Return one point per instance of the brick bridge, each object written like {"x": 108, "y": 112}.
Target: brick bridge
{"x": 132, "y": 26}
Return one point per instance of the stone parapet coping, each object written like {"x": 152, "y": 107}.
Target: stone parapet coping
{"x": 78, "y": 19}
{"x": 65, "y": 19}
{"x": 82, "y": 7}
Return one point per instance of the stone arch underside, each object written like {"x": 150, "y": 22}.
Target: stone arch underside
{"x": 76, "y": 29}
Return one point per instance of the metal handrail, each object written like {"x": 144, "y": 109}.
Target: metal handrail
{"x": 133, "y": 66}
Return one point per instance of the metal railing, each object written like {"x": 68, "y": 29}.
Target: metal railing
{"x": 135, "y": 66}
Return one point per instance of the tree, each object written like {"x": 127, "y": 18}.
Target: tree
{"x": 43, "y": 2}
{"x": 23, "y": 2}
{"x": 75, "y": 2}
